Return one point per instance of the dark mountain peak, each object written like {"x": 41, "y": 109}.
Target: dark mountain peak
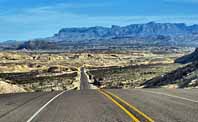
{"x": 151, "y": 23}
{"x": 181, "y": 24}
{"x": 115, "y": 26}
{"x": 193, "y": 29}
{"x": 194, "y": 26}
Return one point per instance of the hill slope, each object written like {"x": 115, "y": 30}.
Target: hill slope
{"x": 9, "y": 88}
{"x": 181, "y": 78}
{"x": 188, "y": 58}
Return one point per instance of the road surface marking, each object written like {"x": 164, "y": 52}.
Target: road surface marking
{"x": 120, "y": 106}
{"x": 37, "y": 112}
{"x": 132, "y": 107}
{"x": 169, "y": 95}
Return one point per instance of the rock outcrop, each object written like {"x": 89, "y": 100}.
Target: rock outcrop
{"x": 188, "y": 58}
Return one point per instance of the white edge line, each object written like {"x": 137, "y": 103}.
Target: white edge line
{"x": 174, "y": 96}
{"x": 38, "y": 111}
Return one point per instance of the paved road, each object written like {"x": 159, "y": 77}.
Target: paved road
{"x": 164, "y": 105}
{"x": 114, "y": 105}
{"x": 19, "y": 107}
{"x": 84, "y": 80}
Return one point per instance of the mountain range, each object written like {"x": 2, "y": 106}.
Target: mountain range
{"x": 140, "y": 30}
{"x": 152, "y": 33}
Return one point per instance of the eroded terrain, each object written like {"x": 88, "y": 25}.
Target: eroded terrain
{"x": 49, "y": 71}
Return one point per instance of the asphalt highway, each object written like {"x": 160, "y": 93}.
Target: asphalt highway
{"x": 112, "y": 105}
{"x": 102, "y": 105}
{"x": 84, "y": 80}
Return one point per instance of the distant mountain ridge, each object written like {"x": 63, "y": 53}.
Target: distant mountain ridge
{"x": 142, "y": 30}
{"x": 149, "y": 34}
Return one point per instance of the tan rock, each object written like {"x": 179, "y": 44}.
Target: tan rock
{"x": 9, "y": 88}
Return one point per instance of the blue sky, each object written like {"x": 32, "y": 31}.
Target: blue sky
{"x": 28, "y": 19}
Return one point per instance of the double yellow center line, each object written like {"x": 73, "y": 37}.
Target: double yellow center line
{"x": 110, "y": 96}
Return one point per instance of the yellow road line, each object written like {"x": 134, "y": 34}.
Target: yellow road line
{"x": 131, "y": 106}
{"x": 120, "y": 106}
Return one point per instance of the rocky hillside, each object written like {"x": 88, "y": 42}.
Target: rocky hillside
{"x": 184, "y": 77}
{"x": 9, "y": 88}
{"x": 188, "y": 58}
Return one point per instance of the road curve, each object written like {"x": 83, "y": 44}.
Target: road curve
{"x": 160, "y": 105}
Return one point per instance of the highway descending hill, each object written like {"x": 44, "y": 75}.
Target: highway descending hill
{"x": 83, "y": 80}
{"x": 102, "y": 105}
